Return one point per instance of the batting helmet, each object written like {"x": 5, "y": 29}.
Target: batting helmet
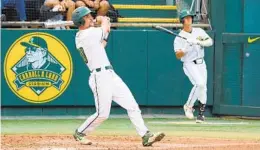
{"x": 185, "y": 13}
{"x": 78, "y": 14}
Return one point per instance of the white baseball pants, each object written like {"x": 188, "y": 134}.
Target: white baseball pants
{"x": 107, "y": 86}
{"x": 197, "y": 74}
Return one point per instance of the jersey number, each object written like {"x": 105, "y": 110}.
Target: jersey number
{"x": 82, "y": 54}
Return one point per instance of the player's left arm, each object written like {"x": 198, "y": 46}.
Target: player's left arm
{"x": 101, "y": 34}
{"x": 104, "y": 43}
{"x": 105, "y": 39}
{"x": 105, "y": 26}
{"x": 204, "y": 39}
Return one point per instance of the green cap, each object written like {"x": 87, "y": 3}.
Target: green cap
{"x": 78, "y": 14}
{"x": 35, "y": 41}
{"x": 185, "y": 13}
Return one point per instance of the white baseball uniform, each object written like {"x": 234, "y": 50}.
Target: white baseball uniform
{"x": 105, "y": 84}
{"x": 194, "y": 65}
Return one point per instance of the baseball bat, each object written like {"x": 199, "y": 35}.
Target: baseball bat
{"x": 168, "y": 31}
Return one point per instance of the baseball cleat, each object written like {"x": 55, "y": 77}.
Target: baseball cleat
{"x": 200, "y": 119}
{"x": 188, "y": 111}
{"x": 81, "y": 138}
{"x": 149, "y": 138}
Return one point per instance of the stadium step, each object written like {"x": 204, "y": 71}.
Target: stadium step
{"x": 150, "y": 20}
{"x": 148, "y": 2}
{"x": 146, "y": 7}
{"x": 147, "y": 13}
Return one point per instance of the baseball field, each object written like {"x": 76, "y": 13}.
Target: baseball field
{"x": 118, "y": 133}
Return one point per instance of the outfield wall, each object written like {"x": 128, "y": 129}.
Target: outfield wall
{"x": 145, "y": 62}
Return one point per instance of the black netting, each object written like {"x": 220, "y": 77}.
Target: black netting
{"x": 32, "y": 10}
{"x": 36, "y": 11}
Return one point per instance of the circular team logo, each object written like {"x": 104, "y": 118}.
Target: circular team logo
{"x": 38, "y": 67}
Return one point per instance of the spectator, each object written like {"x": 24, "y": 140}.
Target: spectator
{"x": 101, "y": 6}
{"x": 3, "y": 17}
{"x": 18, "y": 4}
{"x": 62, "y": 6}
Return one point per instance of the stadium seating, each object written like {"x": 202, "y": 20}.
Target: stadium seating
{"x": 32, "y": 10}
{"x": 152, "y": 11}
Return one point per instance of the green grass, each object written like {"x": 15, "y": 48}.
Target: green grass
{"x": 218, "y": 128}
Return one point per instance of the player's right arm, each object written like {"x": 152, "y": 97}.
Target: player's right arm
{"x": 179, "y": 54}
{"x": 179, "y": 48}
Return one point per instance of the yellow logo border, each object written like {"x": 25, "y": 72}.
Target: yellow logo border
{"x": 62, "y": 90}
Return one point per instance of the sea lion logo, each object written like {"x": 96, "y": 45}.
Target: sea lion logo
{"x": 38, "y": 67}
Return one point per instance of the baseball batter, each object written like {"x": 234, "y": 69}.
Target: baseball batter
{"x": 191, "y": 53}
{"x": 103, "y": 81}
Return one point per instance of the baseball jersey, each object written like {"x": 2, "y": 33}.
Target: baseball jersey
{"x": 192, "y": 52}
{"x": 89, "y": 44}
